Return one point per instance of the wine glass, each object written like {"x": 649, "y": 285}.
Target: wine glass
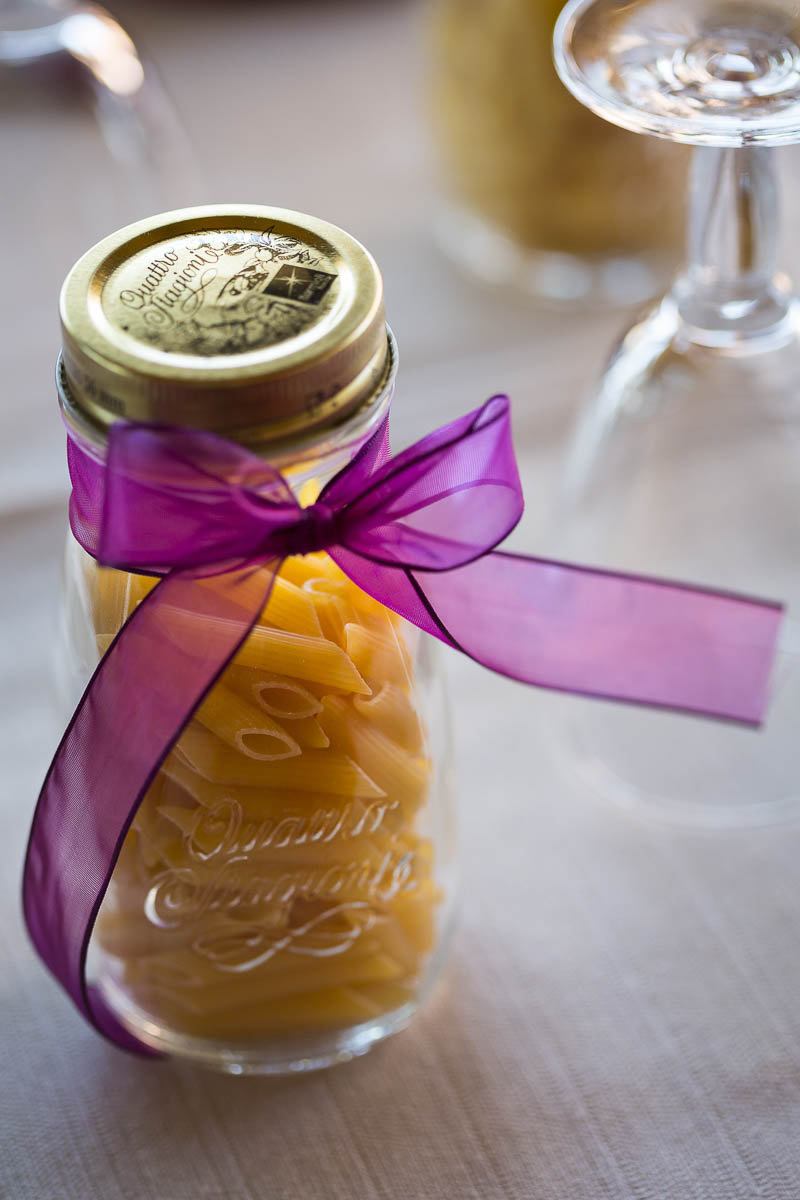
{"x": 686, "y": 459}
{"x": 88, "y": 142}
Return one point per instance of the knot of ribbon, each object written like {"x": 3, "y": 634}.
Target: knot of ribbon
{"x": 418, "y": 533}
{"x": 317, "y": 528}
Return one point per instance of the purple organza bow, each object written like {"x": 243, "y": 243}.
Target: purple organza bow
{"x": 418, "y": 533}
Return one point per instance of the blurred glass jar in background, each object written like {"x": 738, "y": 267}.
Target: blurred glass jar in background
{"x": 545, "y": 195}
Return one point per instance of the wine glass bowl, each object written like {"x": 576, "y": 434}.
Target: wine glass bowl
{"x": 704, "y": 73}
{"x": 37, "y": 31}
{"x": 90, "y": 140}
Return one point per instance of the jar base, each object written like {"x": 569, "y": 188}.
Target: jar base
{"x": 556, "y": 278}
{"x": 283, "y": 1055}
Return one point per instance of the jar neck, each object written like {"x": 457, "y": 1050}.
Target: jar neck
{"x": 307, "y": 463}
{"x": 307, "y": 468}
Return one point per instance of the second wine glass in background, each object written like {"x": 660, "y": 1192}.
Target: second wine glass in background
{"x": 88, "y": 141}
{"x": 544, "y": 194}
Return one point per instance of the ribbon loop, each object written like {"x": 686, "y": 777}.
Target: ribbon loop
{"x": 442, "y": 502}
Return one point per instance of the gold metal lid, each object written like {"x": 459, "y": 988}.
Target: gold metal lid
{"x": 258, "y": 323}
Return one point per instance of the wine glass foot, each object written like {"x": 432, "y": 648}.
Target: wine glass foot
{"x": 555, "y": 278}
{"x": 644, "y": 797}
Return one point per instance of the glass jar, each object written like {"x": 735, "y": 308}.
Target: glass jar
{"x": 545, "y": 195}
{"x": 284, "y": 895}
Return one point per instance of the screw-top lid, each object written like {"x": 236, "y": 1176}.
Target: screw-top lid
{"x": 258, "y": 323}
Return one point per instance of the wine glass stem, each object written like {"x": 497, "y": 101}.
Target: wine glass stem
{"x": 731, "y": 292}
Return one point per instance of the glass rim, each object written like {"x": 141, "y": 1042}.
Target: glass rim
{"x": 717, "y": 131}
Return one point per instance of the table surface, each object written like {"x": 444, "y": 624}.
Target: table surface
{"x": 619, "y": 1018}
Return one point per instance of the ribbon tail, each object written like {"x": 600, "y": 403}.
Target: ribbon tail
{"x": 165, "y": 659}
{"x": 592, "y": 632}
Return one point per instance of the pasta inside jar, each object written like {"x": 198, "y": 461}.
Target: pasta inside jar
{"x": 275, "y": 877}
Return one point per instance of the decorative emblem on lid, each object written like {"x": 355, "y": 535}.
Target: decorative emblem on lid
{"x": 220, "y": 293}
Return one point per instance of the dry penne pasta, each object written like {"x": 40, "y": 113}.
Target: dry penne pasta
{"x": 125, "y": 935}
{"x": 391, "y": 711}
{"x": 324, "y": 815}
{"x": 287, "y": 606}
{"x": 379, "y": 657}
{"x": 226, "y": 990}
{"x": 333, "y": 614}
{"x": 245, "y": 727}
{"x": 310, "y": 566}
{"x": 307, "y": 731}
{"x": 322, "y": 591}
{"x": 387, "y": 996}
{"x": 310, "y": 771}
{"x": 225, "y": 942}
{"x": 402, "y": 776}
{"x": 272, "y": 692}
{"x": 109, "y": 600}
{"x": 278, "y": 695}
{"x": 116, "y": 595}
{"x": 273, "y": 651}
{"x": 139, "y": 586}
{"x": 273, "y": 879}
{"x": 396, "y": 943}
{"x": 415, "y": 913}
{"x": 283, "y": 653}
{"x": 104, "y": 640}
{"x": 315, "y": 1010}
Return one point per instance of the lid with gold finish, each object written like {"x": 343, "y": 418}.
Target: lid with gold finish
{"x": 258, "y": 323}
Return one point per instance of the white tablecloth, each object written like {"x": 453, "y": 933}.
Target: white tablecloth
{"x": 619, "y": 1019}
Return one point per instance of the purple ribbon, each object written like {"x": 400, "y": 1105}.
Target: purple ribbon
{"x": 417, "y": 532}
